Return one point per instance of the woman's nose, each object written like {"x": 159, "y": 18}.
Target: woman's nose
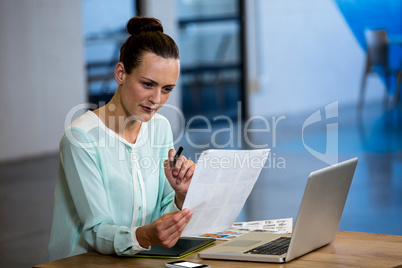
{"x": 155, "y": 97}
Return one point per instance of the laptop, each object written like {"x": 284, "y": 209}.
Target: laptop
{"x": 316, "y": 225}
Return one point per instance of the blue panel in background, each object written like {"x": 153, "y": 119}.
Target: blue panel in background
{"x": 375, "y": 14}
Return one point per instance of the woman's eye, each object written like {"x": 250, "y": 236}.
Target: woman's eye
{"x": 168, "y": 90}
{"x": 146, "y": 84}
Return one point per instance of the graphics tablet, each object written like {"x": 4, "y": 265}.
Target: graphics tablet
{"x": 183, "y": 247}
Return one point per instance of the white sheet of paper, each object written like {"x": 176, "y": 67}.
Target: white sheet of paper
{"x": 222, "y": 181}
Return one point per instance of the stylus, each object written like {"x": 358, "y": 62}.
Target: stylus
{"x": 176, "y": 156}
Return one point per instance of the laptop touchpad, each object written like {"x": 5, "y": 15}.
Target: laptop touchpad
{"x": 241, "y": 243}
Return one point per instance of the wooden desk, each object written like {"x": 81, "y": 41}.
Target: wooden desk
{"x": 350, "y": 249}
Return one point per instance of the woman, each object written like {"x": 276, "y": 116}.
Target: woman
{"x": 114, "y": 193}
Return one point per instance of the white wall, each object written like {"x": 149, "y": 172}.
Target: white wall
{"x": 41, "y": 73}
{"x": 307, "y": 57}
{"x": 166, "y": 12}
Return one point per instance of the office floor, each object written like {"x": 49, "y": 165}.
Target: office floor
{"x": 374, "y": 203}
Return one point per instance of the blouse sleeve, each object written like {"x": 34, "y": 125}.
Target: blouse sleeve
{"x": 81, "y": 165}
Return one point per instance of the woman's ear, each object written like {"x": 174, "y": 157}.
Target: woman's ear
{"x": 119, "y": 73}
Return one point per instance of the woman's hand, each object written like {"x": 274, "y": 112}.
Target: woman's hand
{"x": 179, "y": 176}
{"x": 164, "y": 231}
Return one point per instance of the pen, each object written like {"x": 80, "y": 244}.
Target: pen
{"x": 176, "y": 156}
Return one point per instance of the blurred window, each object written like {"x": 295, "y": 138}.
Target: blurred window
{"x": 211, "y": 56}
{"x": 104, "y": 32}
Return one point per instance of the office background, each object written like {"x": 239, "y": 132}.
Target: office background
{"x": 288, "y": 60}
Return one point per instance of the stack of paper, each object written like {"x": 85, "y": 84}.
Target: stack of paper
{"x": 222, "y": 181}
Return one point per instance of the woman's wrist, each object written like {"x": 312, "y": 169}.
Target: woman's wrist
{"x": 179, "y": 200}
{"x": 142, "y": 236}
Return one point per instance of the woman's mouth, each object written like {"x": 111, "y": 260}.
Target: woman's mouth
{"x": 148, "y": 109}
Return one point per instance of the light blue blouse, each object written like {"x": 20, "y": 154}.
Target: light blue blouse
{"x": 106, "y": 187}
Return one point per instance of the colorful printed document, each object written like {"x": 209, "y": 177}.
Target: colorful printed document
{"x": 278, "y": 226}
{"x": 222, "y": 181}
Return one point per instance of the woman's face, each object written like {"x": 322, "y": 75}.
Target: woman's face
{"x": 148, "y": 86}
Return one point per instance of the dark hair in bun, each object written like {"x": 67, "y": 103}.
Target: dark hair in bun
{"x": 137, "y": 25}
{"x": 146, "y": 36}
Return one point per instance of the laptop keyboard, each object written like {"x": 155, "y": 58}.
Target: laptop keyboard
{"x": 278, "y": 246}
